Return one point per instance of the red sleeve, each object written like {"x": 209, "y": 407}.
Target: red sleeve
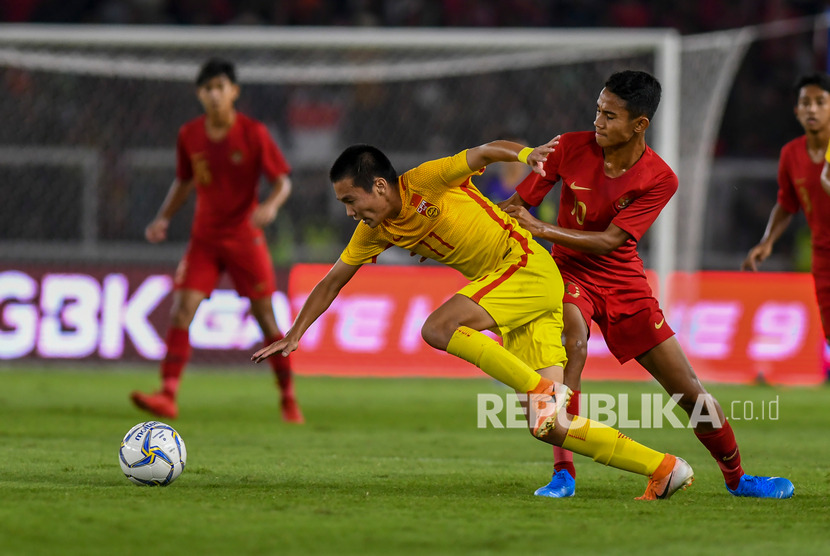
{"x": 787, "y": 197}
{"x": 184, "y": 169}
{"x": 637, "y": 217}
{"x": 273, "y": 162}
{"x": 534, "y": 187}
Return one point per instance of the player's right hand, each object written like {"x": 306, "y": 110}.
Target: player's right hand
{"x": 284, "y": 346}
{"x": 539, "y": 156}
{"x": 756, "y": 255}
{"x": 156, "y": 231}
{"x": 525, "y": 219}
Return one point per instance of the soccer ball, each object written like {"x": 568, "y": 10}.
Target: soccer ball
{"x": 152, "y": 454}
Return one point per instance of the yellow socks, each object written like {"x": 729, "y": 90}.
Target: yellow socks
{"x": 486, "y": 354}
{"x": 610, "y": 447}
{"x": 588, "y": 438}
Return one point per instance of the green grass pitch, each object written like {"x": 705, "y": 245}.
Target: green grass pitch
{"x": 382, "y": 466}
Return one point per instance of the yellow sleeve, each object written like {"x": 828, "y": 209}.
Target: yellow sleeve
{"x": 827, "y": 154}
{"x": 449, "y": 172}
{"x": 364, "y": 246}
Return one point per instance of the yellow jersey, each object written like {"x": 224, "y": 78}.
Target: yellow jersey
{"x": 444, "y": 217}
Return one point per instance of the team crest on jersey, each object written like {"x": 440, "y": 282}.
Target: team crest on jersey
{"x": 236, "y": 156}
{"x": 623, "y": 202}
{"x": 423, "y": 207}
{"x": 572, "y": 289}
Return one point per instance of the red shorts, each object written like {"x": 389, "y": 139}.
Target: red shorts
{"x": 821, "y": 277}
{"x": 246, "y": 260}
{"x": 629, "y": 317}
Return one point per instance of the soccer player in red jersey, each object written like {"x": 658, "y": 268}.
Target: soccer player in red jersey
{"x": 613, "y": 188}
{"x": 804, "y": 183}
{"x": 222, "y": 155}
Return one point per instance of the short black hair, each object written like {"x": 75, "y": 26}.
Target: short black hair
{"x": 640, "y": 90}
{"x": 214, "y": 68}
{"x": 819, "y": 79}
{"x": 362, "y": 163}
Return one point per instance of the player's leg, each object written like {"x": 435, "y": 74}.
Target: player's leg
{"x": 538, "y": 343}
{"x": 575, "y": 341}
{"x": 669, "y": 366}
{"x": 667, "y": 473}
{"x": 821, "y": 280}
{"x": 526, "y": 286}
{"x": 250, "y": 267}
{"x": 547, "y": 422}
{"x": 510, "y": 303}
{"x": 456, "y": 326}
{"x": 163, "y": 402}
{"x": 563, "y": 481}
{"x": 195, "y": 278}
{"x": 263, "y": 312}
{"x": 667, "y": 363}
{"x": 505, "y": 300}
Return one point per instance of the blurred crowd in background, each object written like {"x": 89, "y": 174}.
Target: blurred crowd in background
{"x": 687, "y": 16}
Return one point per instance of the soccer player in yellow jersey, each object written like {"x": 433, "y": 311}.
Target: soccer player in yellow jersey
{"x": 514, "y": 289}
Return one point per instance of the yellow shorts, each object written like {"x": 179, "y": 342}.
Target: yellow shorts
{"x": 526, "y": 303}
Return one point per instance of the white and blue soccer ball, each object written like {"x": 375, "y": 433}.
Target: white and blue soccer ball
{"x": 152, "y": 454}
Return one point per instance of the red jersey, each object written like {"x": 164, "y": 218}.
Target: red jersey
{"x": 591, "y": 201}
{"x": 226, "y": 174}
{"x": 799, "y": 186}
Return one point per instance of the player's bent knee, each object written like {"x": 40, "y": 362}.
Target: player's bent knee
{"x": 576, "y": 347}
{"x": 436, "y": 336}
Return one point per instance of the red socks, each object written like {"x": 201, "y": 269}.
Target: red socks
{"x": 564, "y": 459}
{"x": 723, "y": 447}
{"x": 282, "y": 369}
{"x": 178, "y": 354}
{"x": 172, "y": 366}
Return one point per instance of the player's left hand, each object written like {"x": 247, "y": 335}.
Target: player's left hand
{"x": 263, "y": 215}
{"x": 525, "y": 219}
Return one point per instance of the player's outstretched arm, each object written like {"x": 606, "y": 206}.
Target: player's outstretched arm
{"x": 267, "y": 210}
{"x": 778, "y": 221}
{"x": 318, "y": 301}
{"x": 595, "y": 243}
{"x": 508, "y": 151}
{"x": 156, "y": 231}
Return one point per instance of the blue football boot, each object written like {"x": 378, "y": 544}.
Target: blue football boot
{"x": 561, "y": 485}
{"x": 763, "y": 487}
